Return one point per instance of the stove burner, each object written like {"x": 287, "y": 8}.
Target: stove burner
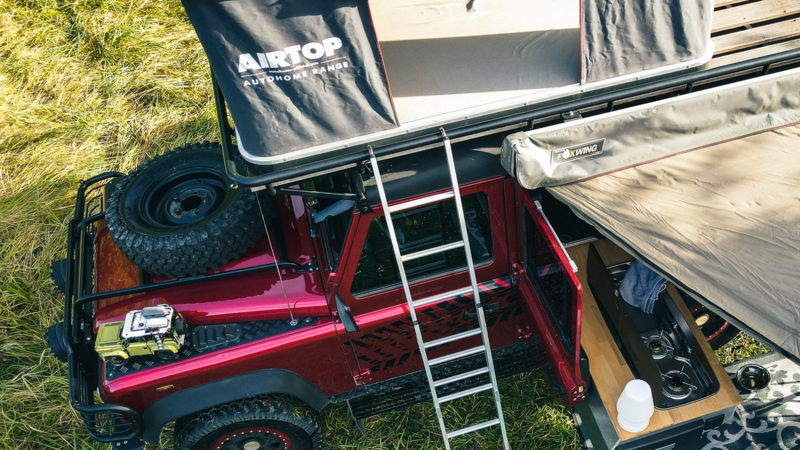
{"x": 677, "y": 385}
{"x": 659, "y": 346}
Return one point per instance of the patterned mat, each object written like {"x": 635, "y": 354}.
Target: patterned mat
{"x": 768, "y": 419}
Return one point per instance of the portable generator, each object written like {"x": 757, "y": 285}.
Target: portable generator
{"x": 155, "y": 330}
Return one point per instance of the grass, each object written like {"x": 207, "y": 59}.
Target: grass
{"x": 88, "y": 86}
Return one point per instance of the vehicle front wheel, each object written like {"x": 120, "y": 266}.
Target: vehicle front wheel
{"x": 259, "y": 423}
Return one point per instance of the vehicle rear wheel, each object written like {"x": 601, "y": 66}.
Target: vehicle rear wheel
{"x": 175, "y": 215}
{"x": 259, "y": 423}
{"x": 717, "y": 330}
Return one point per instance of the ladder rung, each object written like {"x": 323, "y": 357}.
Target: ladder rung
{"x": 421, "y": 202}
{"x": 465, "y": 393}
{"x": 457, "y": 355}
{"x": 452, "y": 338}
{"x": 443, "y": 296}
{"x": 433, "y": 251}
{"x": 461, "y": 376}
{"x": 470, "y": 429}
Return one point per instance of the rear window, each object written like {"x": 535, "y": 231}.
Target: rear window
{"x": 419, "y": 229}
{"x": 550, "y": 280}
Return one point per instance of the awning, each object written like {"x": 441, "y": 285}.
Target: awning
{"x": 717, "y": 208}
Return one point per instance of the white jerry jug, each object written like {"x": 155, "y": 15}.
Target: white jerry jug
{"x": 635, "y": 406}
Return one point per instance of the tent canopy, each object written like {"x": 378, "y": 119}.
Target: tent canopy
{"x": 310, "y": 79}
{"x": 716, "y": 207}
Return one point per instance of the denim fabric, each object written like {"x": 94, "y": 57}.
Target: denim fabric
{"x": 640, "y": 286}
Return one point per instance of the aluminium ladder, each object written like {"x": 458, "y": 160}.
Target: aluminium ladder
{"x": 485, "y": 348}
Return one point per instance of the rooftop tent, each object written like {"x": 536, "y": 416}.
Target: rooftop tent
{"x": 624, "y": 37}
{"x": 716, "y": 207}
{"x": 295, "y": 73}
{"x": 306, "y": 80}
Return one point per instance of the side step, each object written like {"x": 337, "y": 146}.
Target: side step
{"x": 432, "y": 251}
{"x": 457, "y": 355}
{"x": 421, "y": 202}
{"x": 470, "y": 429}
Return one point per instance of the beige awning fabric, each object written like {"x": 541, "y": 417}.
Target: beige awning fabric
{"x": 723, "y": 221}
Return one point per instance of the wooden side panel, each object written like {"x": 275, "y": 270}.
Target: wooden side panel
{"x": 746, "y": 30}
{"x": 741, "y": 15}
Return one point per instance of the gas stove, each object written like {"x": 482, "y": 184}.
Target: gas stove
{"x": 660, "y": 349}
{"x": 682, "y": 374}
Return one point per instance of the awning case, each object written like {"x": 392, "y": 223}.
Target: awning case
{"x": 716, "y": 207}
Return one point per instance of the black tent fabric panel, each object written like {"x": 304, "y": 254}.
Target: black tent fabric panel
{"x": 621, "y": 37}
{"x": 295, "y": 73}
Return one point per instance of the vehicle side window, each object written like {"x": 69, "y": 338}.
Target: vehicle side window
{"x": 547, "y": 276}
{"x": 334, "y": 231}
{"x": 419, "y": 229}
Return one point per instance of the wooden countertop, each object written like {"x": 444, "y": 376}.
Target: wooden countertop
{"x": 609, "y": 371}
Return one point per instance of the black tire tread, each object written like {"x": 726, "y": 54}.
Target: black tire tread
{"x": 194, "y": 250}
{"x": 726, "y": 336}
{"x": 192, "y": 428}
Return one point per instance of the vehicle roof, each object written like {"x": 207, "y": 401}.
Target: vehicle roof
{"x": 427, "y": 171}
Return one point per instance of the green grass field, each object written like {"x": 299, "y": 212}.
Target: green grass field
{"x": 91, "y": 86}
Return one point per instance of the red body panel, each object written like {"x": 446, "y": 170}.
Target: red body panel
{"x": 237, "y": 299}
{"x": 384, "y": 348}
{"x": 386, "y": 344}
{"x": 565, "y": 361}
{"x": 314, "y": 353}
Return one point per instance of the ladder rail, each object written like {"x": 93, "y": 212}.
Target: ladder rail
{"x": 476, "y": 291}
{"x": 464, "y": 244}
{"x": 407, "y": 291}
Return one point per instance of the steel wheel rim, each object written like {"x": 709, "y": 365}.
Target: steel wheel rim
{"x": 257, "y": 438}
{"x": 184, "y": 197}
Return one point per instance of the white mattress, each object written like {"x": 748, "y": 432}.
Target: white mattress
{"x": 441, "y": 58}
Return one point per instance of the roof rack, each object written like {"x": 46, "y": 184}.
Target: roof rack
{"x": 602, "y": 102}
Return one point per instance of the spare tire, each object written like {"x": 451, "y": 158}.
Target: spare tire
{"x": 175, "y": 215}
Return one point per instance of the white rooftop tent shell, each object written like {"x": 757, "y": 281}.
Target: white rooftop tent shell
{"x": 313, "y": 79}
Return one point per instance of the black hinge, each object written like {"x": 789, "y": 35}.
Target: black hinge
{"x": 516, "y": 273}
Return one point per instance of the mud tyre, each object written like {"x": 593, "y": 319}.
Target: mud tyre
{"x": 176, "y": 216}
{"x": 717, "y": 330}
{"x": 260, "y": 423}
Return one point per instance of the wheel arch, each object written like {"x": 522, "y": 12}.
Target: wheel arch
{"x": 197, "y": 398}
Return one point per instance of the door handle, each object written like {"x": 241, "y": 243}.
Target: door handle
{"x": 487, "y": 309}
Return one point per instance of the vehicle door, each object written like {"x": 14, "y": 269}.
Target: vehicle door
{"x": 384, "y": 346}
{"x": 551, "y": 297}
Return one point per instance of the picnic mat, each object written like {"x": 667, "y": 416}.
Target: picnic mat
{"x": 768, "y": 419}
